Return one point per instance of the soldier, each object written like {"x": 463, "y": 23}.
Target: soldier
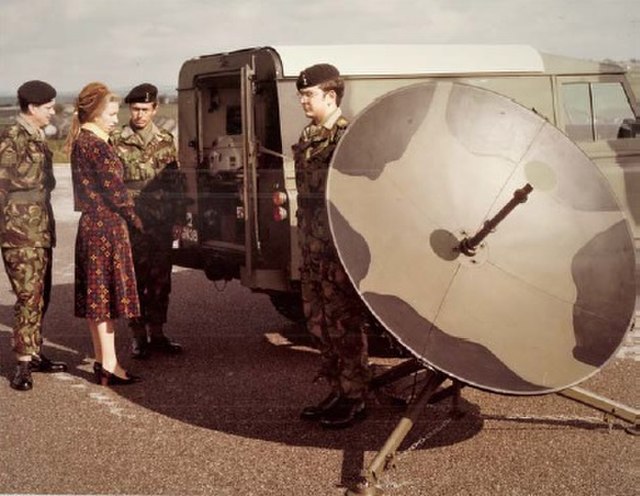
{"x": 27, "y": 226}
{"x": 152, "y": 176}
{"x": 335, "y": 314}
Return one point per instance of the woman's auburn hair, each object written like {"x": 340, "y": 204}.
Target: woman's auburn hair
{"x": 91, "y": 101}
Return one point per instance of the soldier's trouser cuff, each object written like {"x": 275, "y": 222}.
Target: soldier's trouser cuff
{"x": 155, "y": 330}
{"x": 19, "y": 348}
{"x": 138, "y": 328}
{"x": 355, "y": 385}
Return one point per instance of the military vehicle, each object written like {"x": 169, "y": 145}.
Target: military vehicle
{"x": 239, "y": 114}
{"x": 484, "y": 201}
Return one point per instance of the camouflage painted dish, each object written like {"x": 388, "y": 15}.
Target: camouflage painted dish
{"x": 538, "y": 305}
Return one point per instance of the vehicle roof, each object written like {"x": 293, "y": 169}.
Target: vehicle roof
{"x": 402, "y": 61}
{"x": 383, "y": 60}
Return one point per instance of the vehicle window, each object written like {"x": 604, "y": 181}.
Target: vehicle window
{"x": 595, "y": 111}
{"x": 610, "y": 108}
{"x": 576, "y": 100}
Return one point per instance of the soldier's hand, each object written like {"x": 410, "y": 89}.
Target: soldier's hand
{"x": 137, "y": 224}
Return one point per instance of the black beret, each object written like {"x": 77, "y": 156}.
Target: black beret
{"x": 143, "y": 93}
{"x": 316, "y": 74}
{"x": 36, "y": 92}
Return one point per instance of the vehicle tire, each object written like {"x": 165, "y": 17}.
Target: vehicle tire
{"x": 288, "y": 305}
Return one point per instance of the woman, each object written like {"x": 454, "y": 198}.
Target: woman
{"x": 105, "y": 282}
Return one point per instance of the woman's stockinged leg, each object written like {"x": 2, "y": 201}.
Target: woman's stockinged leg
{"x": 97, "y": 346}
{"x": 105, "y": 335}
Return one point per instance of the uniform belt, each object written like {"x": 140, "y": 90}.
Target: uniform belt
{"x": 27, "y": 195}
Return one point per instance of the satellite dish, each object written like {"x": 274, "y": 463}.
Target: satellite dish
{"x": 482, "y": 238}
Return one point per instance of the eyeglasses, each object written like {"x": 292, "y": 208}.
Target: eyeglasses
{"x": 309, "y": 94}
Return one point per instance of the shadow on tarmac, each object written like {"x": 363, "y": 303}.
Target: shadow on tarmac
{"x": 245, "y": 371}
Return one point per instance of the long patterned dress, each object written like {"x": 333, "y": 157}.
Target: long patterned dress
{"x": 105, "y": 282}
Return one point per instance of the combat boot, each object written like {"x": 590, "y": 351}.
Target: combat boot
{"x": 159, "y": 342}
{"x": 140, "y": 342}
{"x": 22, "y": 380}
{"x": 40, "y": 363}
{"x": 315, "y": 412}
{"x": 345, "y": 413}
{"x": 140, "y": 348}
{"x": 164, "y": 345}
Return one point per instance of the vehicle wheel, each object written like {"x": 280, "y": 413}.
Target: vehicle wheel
{"x": 288, "y": 305}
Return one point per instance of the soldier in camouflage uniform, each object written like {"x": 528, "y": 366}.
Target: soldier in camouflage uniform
{"x": 27, "y": 232}
{"x": 153, "y": 178}
{"x": 335, "y": 314}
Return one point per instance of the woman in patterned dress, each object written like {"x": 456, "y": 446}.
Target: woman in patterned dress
{"x": 105, "y": 281}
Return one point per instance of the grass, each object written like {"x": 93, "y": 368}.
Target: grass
{"x": 57, "y": 147}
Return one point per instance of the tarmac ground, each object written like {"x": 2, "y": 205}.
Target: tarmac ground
{"x": 223, "y": 418}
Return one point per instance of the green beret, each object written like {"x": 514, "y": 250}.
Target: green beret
{"x": 143, "y": 93}
{"x": 36, "y": 92}
{"x": 316, "y": 74}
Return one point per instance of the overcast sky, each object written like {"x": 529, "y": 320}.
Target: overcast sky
{"x": 123, "y": 42}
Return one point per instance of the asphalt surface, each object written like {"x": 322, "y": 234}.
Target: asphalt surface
{"x": 222, "y": 419}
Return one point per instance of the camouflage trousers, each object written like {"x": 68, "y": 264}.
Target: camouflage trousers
{"x": 152, "y": 261}
{"x": 29, "y": 271}
{"x": 334, "y": 312}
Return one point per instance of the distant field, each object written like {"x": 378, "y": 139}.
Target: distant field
{"x": 165, "y": 111}
{"x": 634, "y": 80}
{"x": 168, "y": 110}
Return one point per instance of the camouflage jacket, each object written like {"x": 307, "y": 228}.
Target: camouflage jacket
{"x": 313, "y": 154}
{"x": 152, "y": 175}
{"x": 26, "y": 182}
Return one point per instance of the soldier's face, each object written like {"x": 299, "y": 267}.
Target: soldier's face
{"x": 141, "y": 114}
{"x": 41, "y": 114}
{"x": 316, "y": 103}
{"x": 108, "y": 119}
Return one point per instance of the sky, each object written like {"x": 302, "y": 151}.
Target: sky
{"x": 69, "y": 43}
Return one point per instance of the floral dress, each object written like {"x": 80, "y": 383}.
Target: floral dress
{"x": 105, "y": 281}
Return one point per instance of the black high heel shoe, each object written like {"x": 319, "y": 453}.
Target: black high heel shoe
{"x": 97, "y": 372}
{"x": 110, "y": 379}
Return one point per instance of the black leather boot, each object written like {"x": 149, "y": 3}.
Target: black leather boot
{"x": 315, "y": 412}
{"x": 40, "y": 363}
{"x": 345, "y": 413}
{"x": 22, "y": 380}
{"x": 140, "y": 348}
{"x": 163, "y": 344}
{"x": 140, "y": 342}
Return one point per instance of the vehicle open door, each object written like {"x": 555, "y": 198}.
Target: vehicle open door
{"x": 249, "y": 156}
